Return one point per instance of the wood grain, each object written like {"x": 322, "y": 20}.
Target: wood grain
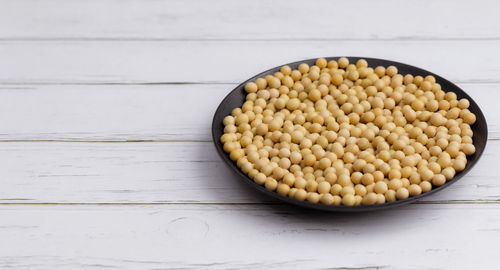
{"x": 147, "y": 62}
{"x": 165, "y": 172}
{"x": 138, "y": 112}
{"x": 229, "y": 20}
{"x": 248, "y": 237}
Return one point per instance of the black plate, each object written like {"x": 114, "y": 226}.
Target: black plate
{"x": 237, "y": 97}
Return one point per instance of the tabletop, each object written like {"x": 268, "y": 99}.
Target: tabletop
{"x": 107, "y": 159}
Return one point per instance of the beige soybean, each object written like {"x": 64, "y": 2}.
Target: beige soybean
{"x": 341, "y": 133}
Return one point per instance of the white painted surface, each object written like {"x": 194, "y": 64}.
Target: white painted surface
{"x": 248, "y": 236}
{"x": 163, "y": 172}
{"x": 141, "y": 112}
{"x": 107, "y": 161}
{"x": 220, "y": 61}
{"x": 227, "y": 19}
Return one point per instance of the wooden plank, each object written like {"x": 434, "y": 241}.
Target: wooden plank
{"x": 198, "y": 19}
{"x": 166, "y": 172}
{"x": 248, "y": 237}
{"x": 102, "y": 62}
{"x": 138, "y": 112}
{"x": 162, "y": 112}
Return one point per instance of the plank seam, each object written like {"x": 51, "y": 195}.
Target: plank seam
{"x": 103, "y": 141}
{"x": 303, "y": 39}
{"x": 125, "y": 141}
{"x": 447, "y": 202}
{"x": 35, "y": 83}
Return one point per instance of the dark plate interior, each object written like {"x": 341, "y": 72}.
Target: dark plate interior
{"x": 237, "y": 97}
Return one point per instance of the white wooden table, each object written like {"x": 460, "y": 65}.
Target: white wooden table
{"x": 106, "y": 156}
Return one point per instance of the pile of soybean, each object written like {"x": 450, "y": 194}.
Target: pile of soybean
{"x": 342, "y": 133}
